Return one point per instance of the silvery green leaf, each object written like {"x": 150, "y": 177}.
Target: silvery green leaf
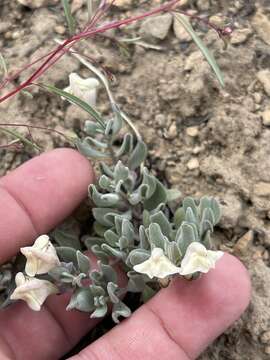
{"x": 173, "y": 195}
{"x": 67, "y": 254}
{"x": 83, "y": 262}
{"x": 99, "y": 312}
{"x": 112, "y": 290}
{"x": 68, "y": 234}
{"x": 97, "y": 279}
{"x": 208, "y": 215}
{"x": 103, "y": 200}
{"x": 138, "y": 155}
{"x": 111, "y": 237}
{"x": 87, "y": 150}
{"x": 137, "y": 256}
{"x": 158, "y": 197}
{"x": 82, "y": 299}
{"x": 156, "y": 238}
{"x": 179, "y": 217}
{"x": 144, "y": 243}
{"x": 105, "y": 216}
{"x": 123, "y": 243}
{"x": 120, "y": 309}
{"x": 139, "y": 195}
{"x": 160, "y": 219}
{"x": 121, "y": 172}
{"x": 113, "y": 252}
{"x": 89, "y": 241}
{"x": 185, "y": 236}
{"x": 109, "y": 127}
{"x": 118, "y": 224}
{"x": 173, "y": 252}
{"x": 119, "y": 186}
{"x": 190, "y": 216}
{"x": 127, "y": 145}
{"x": 118, "y": 119}
{"x": 99, "y": 229}
{"x": 94, "y": 142}
{"x": 108, "y": 272}
{"x": 216, "y": 210}
{"x": 207, "y": 242}
{"x": 57, "y": 272}
{"x": 105, "y": 169}
{"x": 146, "y": 218}
{"x": 127, "y": 229}
{"x": 105, "y": 182}
{"x": 97, "y": 291}
{"x": 91, "y": 128}
{"x": 205, "y": 226}
{"x": 100, "y": 253}
{"x": 150, "y": 181}
{"x": 188, "y": 202}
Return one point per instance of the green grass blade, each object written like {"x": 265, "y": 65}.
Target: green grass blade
{"x": 69, "y": 17}
{"x": 22, "y": 138}
{"x": 76, "y": 101}
{"x": 209, "y": 57}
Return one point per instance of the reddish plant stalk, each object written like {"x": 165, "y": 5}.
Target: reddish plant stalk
{"x": 88, "y": 32}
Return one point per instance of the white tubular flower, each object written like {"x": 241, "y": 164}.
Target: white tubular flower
{"x": 41, "y": 257}
{"x": 33, "y": 291}
{"x": 198, "y": 258}
{"x": 84, "y": 89}
{"x": 158, "y": 265}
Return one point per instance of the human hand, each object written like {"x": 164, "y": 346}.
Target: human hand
{"x": 177, "y": 324}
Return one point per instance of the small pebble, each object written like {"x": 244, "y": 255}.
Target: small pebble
{"x": 193, "y": 164}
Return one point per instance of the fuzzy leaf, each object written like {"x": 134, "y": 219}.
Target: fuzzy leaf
{"x": 105, "y": 216}
{"x": 108, "y": 272}
{"x": 127, "y": 145}
{"x": 112, "y": 251}
{"x": 87, "y": 150}
{"x": 173, "y": 195}
{"x": 150, "y": 181}
{"x": 144, "y": 243}
{"x": 137, "y": 256}
{"x": 185, "y": 236}
{"x": 68, "y": 234}
{"x": 83, "y": 262}
{"x": 67, "y": 254}
{"x": 179, "y": 217}
{"x": 121, "y": 172}
{"x": 162, "y": 221}
{"x": 99, "y": 312}
{"x": 103, "y": 200}
{"x": 120, "y": 309}
{"x": 158, "y": 197}
{"x": 82, "y": 299}
{"x": 91, "y": 128}
{"x": 111, "y": 238}
{"x": 138, "y": 155}
{"x": 156, "y": 237}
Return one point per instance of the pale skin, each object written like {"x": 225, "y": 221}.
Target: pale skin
{"x": 177, "y": 324}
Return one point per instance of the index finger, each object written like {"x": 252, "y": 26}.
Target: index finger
{"x": 38, "y": 195}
